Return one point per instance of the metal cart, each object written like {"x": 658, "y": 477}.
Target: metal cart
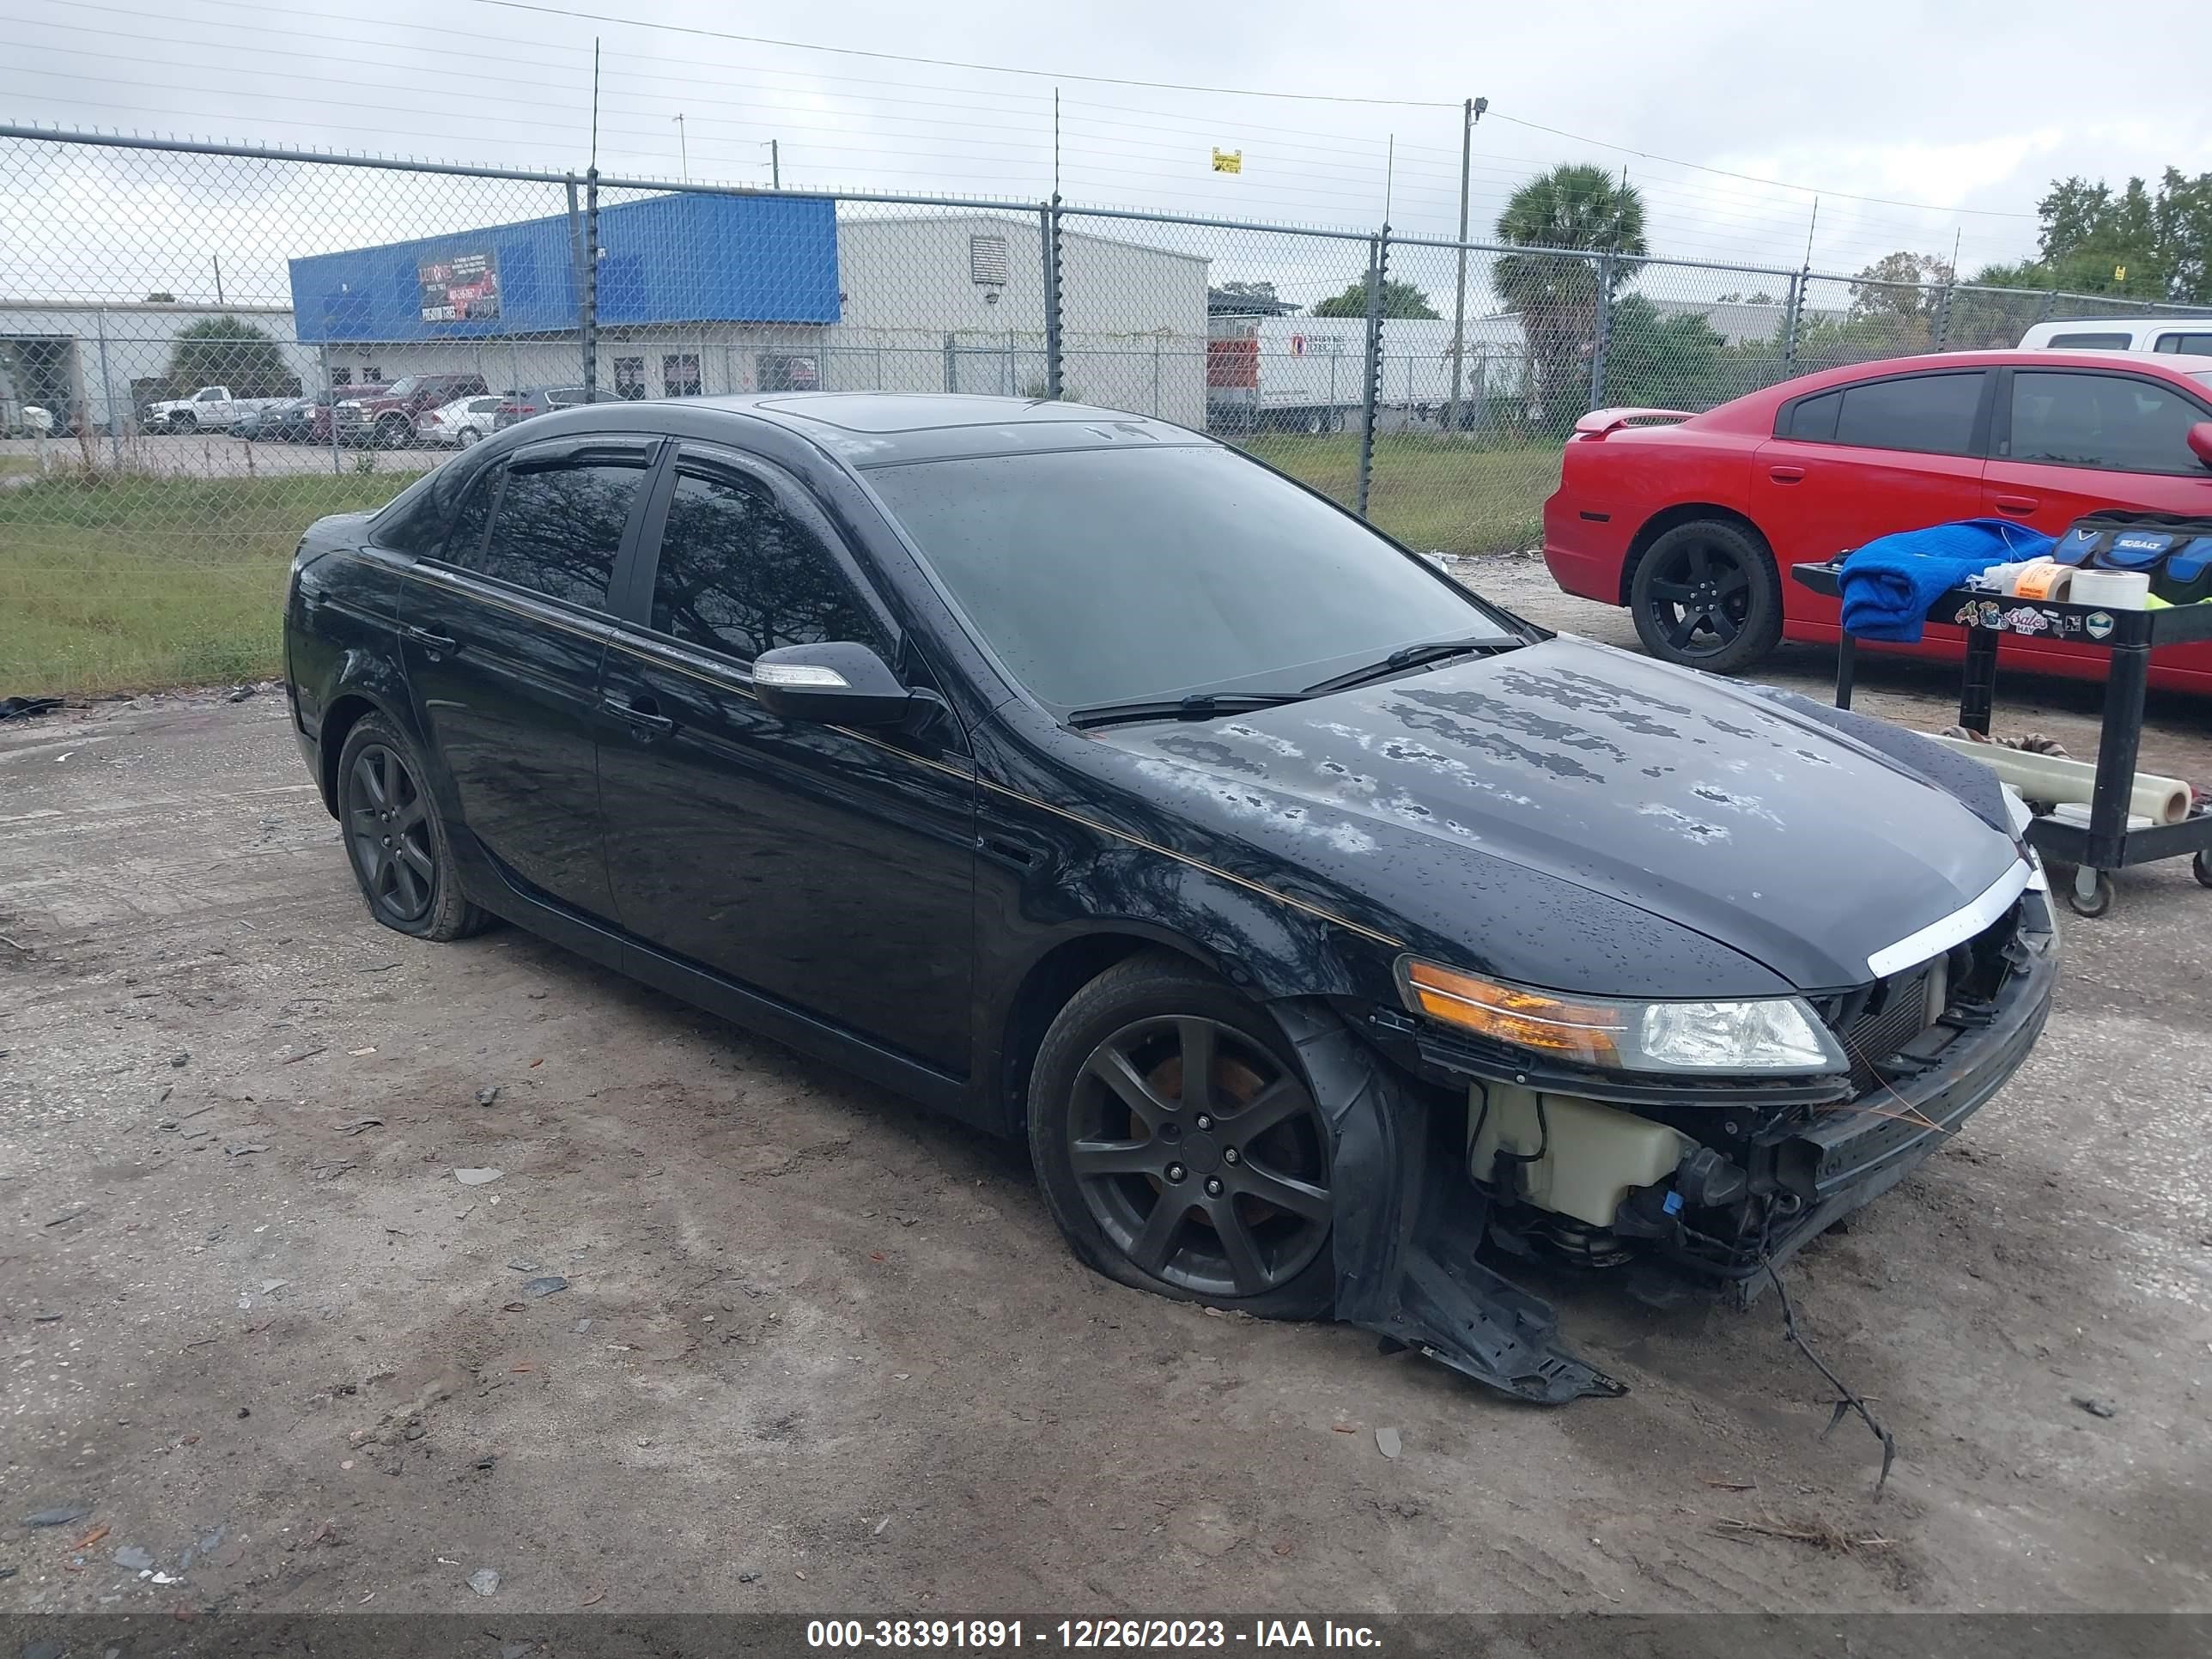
{"x": 2106, "y": 844}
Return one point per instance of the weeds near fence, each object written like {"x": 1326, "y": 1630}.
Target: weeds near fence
{"x": 1433, "y": 492}
{"x": 114, "y": 583}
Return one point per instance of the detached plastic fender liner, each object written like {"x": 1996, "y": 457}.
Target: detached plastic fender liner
{"x": 1408, "y": 1222}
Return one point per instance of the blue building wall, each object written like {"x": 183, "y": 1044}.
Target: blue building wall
{"x": 667, "y": 259}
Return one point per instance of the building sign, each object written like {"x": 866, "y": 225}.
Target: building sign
{"x": 460, "y": 289}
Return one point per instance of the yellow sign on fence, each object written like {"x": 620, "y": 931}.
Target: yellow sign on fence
{"x": 1229, "y": 161}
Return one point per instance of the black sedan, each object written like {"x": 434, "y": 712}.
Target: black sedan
{"x": 1327, "y": 932}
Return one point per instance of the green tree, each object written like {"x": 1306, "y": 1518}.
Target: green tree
{"x": 2131, "y": 243}
{"x": 1573, "y": 206}
{"x": 1662, "y": 361}
{"x": 1262, "y": 293}
{"x": 161, "y": 296}
{"x": 1400, "y": 300}
{"x": 230, "y": 351}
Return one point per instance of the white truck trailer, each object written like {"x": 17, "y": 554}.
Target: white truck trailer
{"x": 1306, "y": 374}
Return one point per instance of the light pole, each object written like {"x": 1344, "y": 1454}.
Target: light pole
{"x": 683, "y": 148}
{"x": 1472, "y": 113}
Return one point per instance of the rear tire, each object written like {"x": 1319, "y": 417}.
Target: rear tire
{"x": 1706, "y": 594}
{"x": 1219, "y": 1193}
{"x": 395, "y": 840}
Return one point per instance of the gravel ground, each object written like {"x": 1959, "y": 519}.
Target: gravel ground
{"x": 817, "y": 1351}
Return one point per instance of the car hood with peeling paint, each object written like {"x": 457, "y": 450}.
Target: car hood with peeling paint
{"x": 1586, "y": 770}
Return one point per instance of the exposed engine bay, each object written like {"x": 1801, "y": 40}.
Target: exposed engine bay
{"x": 1715, "y": 1191}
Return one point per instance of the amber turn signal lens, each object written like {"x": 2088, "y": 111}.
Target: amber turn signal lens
{"x": 1587, "y": 1032}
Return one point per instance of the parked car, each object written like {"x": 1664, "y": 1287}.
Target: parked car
{"x": 326, "y": 406}
{"x": 534, "y": 400}
{"x": 388, "y": 419}
{"x": 999, "y": 750}
{"x": 458, "y": 423}
{"x": 210, "y": 409}
{"x": 2187, "y": 336}
{"x": 268, "y": 425}
{"x": 1692, "y": 520}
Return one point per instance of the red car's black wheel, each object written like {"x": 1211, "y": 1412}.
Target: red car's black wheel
{"x": 1706, "y": 595}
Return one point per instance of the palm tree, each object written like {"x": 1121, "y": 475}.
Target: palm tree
{"x": 1575, "y": 205}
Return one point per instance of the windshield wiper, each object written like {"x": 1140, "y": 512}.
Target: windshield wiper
{"x": 1410, "y": 656}
{"x": 1201, "y": 705}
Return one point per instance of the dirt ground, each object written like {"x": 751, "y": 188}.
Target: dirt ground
{"x": 817, "y": 1351}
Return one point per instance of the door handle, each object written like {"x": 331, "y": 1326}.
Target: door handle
{"x": 2015, "y": 503}
{"x": 1785, "y": 474}
{"x": 425, "y": 638}
{"x": 641, "y": 711}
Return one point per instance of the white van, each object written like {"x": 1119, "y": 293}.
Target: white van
{"x": 2191, "y": 335}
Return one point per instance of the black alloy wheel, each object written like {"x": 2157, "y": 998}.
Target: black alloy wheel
{"x": 1179, "y": 1145}
{"x": 388, "y": 834}
{"x": 1706, "y": 595}
{"x": 394, "y": 838}
{"x": 1199, "y": 1156}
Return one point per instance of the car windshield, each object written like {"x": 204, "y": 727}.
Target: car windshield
{"x": 405, "y": 388}
{"x": 1109, "y": 576}
{"x": 2203, "y": 377}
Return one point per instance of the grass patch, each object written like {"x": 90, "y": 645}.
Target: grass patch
{"x": 124, "y": 583}
{"x": 1432, "y": 492}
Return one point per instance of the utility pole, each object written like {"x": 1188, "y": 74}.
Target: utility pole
{"x": 683, "y": 147}
{"x": 217, "y": 257}
{"x": 775, "y": 165}
{"x": 1472, "y": 113}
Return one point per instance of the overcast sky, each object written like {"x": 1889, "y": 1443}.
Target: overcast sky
{"x": 1958, "y": 115}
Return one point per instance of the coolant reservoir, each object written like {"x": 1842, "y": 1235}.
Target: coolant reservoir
{"x": 1593, "y": 1154}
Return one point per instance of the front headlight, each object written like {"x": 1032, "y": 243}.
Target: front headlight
{"x": 1767, "y": 1036}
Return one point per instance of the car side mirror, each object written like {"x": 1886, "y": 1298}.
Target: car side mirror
{"x": 837, "y": 683}
{"x": 2200, "y": 441}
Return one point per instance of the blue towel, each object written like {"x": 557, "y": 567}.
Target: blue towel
{"x": 1888, "y": 585}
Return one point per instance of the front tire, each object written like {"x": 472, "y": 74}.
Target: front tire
{"x": 1706, "y": 595}
{"x": 470, "y": 435}
{"x": 395, "y": 840}
{"x": 1179, "y": 1147}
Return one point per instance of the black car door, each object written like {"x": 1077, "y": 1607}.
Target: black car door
{"x": 831, "y": 870}
{"x": 502, "y": 636}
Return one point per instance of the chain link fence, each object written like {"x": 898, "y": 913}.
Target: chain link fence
{"x": 203, "y": 348}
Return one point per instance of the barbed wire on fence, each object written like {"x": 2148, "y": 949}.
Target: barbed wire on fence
{"x": 204, "y": 346}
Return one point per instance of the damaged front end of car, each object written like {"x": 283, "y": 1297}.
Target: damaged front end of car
{"x": 1489, "y": 1121}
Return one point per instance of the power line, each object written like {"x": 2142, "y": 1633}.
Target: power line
{"x": 1724, "y": 172}
{"x": 955, "y": 62}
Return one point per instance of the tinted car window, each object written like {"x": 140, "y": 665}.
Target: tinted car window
{"x": 558, "y": 529}
{"x": 417, "y": 520}
{"x": 1110, "y": 576}
{"x": 1813, "y": 419}
{"x": 2091, "y": 342}
{"x": 738, "y": 573}
{"x": 2109, "y": 421}
{"x": 2193, "y": 344}
{"x": 1933, "y": 414}
{"x": 464, "y": 546}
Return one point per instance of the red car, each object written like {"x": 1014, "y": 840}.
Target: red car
{"x": 1691, "y": 520}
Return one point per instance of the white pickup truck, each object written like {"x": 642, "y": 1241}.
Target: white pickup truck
{"x": 210, "y": 409}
